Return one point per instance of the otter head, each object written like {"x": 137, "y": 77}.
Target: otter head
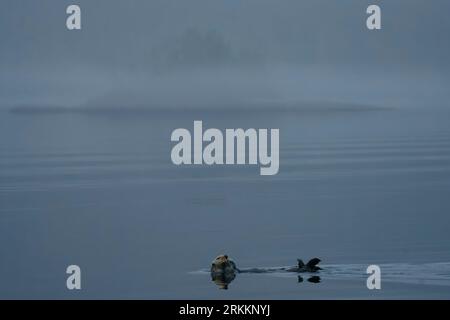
{"x": 220, "y": 261}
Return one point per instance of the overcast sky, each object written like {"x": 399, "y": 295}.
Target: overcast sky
{"x": 137, "y": 40}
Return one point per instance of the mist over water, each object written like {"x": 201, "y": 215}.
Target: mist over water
{"x": 161, "y": 54}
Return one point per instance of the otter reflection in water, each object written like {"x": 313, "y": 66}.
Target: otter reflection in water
{"x": 223, "y": 270}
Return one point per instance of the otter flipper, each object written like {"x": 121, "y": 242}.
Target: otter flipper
{"x": 301, "y": 264}
{"x": 312, "y": 265}
{"x": 313, "y": 262}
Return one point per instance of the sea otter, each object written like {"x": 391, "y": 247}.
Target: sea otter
{"x": 222, "y": 264}
{"x": 223, "y": 270}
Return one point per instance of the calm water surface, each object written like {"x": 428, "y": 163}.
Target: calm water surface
{"x": 99, "y": 190}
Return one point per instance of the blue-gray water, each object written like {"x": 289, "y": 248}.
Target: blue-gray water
{"x": 99, "y": 190}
